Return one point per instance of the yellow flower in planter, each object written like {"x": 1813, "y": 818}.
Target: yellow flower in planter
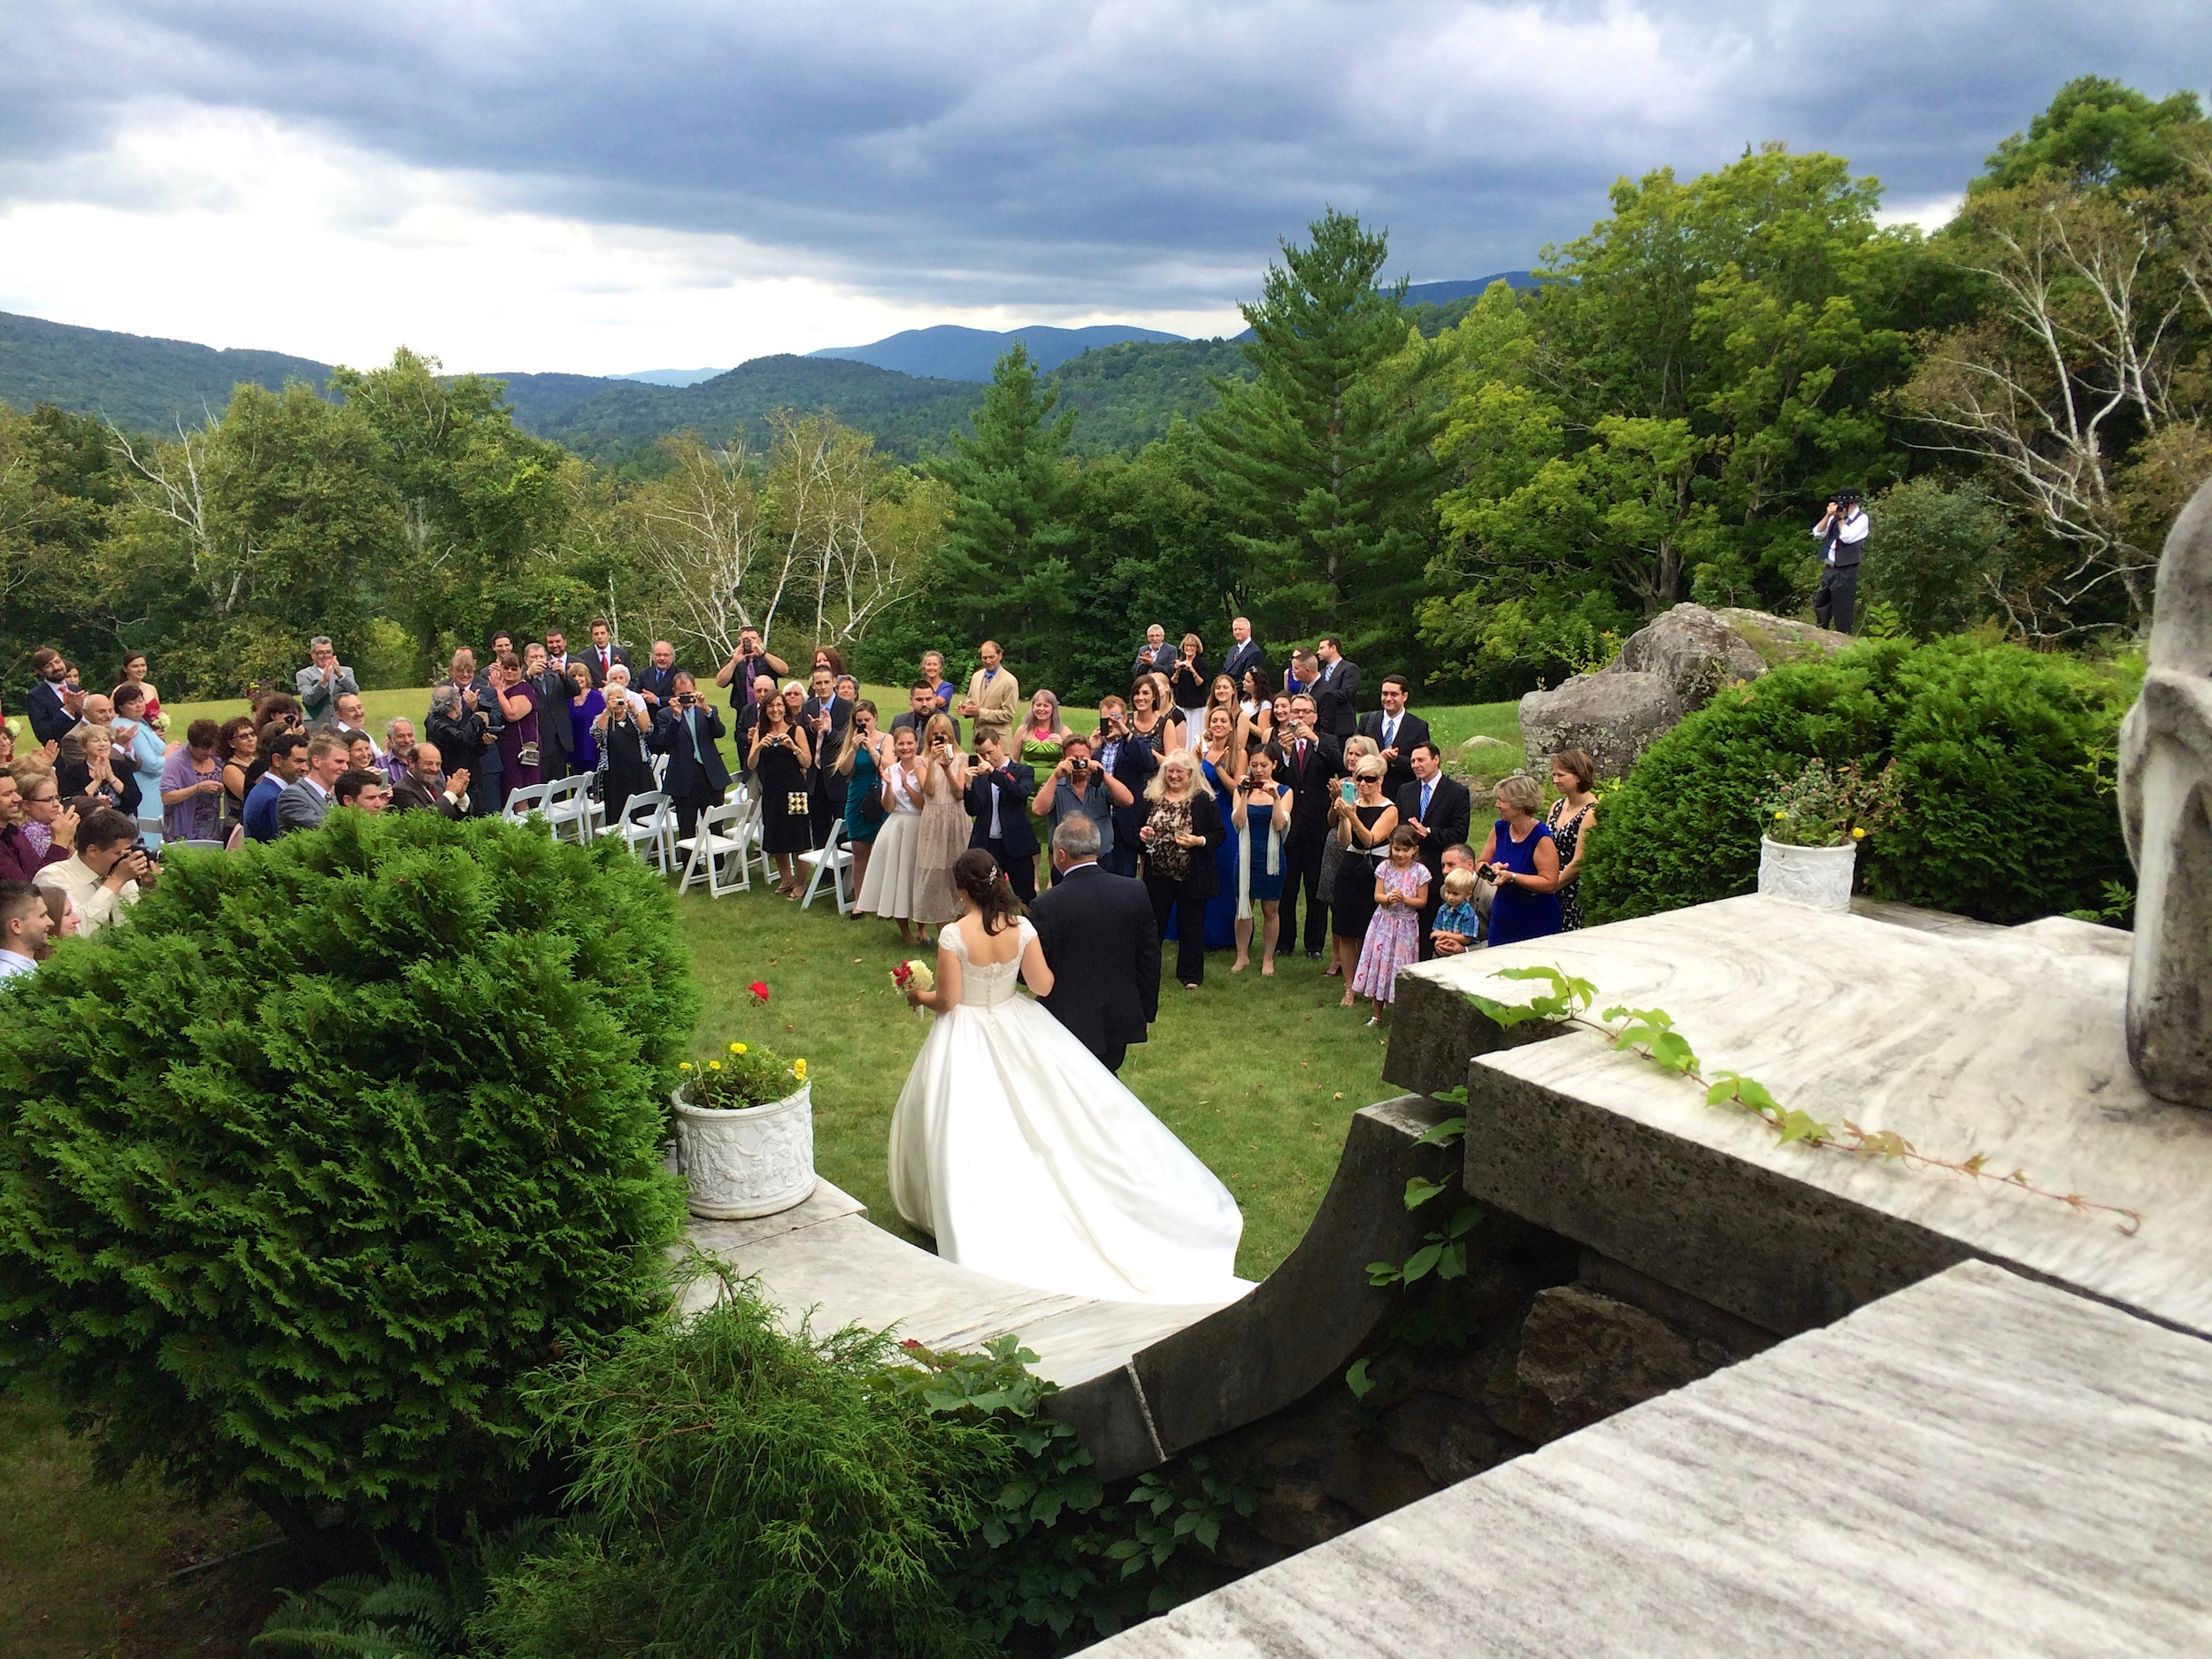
{"x": 737, "y": 1047}
{"x": 714, "y": 1065}
{"x": 685, "y": 1067}
{"x": 798, "y": 1070}
{"x": 1858, "y": 834}
{"x": 1781, "y": 815}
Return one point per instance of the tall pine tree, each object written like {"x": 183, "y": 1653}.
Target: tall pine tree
{"x": 1003, "y": 567}
{"x": 1325, "y": 461}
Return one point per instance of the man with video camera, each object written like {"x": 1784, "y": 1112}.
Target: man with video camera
{"x": 105, "y": 874}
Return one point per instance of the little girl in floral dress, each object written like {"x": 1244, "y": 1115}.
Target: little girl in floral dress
{"x": 1393, "y": 937}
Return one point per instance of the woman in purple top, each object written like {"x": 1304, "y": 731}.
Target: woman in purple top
{"x": 192, "y": 786}
{"x": 584, "y": 704}
{"x": 519, "y": 738}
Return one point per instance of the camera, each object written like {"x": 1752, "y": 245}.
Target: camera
{"x": 686, "y": 700}
{"x": 1079, "y": 767}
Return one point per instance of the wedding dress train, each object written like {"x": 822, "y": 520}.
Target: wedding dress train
{"x": 1029, "y": 1161}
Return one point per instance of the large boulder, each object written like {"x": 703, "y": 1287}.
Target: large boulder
{"x": 1693, "y": 650}
{"x": 1615, "y": 716}
{"x": 1671, "y": 667}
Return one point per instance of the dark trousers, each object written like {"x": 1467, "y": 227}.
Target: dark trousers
{"x": 1118, "y": 860}
{"x": 488, "y": 793}
{"x": 1837, "y": 597}
{"x": 1301, "y": 865}
{"x": 1021, "y": 873}
{"x": 1429, "y": 907}
{"x": 1170, "y": 898}
{"x": 552, "y": 764}
{"x": 700, "y": 798}
{"x": 1112, "y": 1057}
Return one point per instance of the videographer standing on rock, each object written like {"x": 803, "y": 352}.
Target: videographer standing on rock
{"x": 1842, "y": 536}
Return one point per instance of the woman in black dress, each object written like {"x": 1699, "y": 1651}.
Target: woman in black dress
{"x": 1179, "y": 839}
{"x": 626, "y": 767}
{"x": 1364, "y": 825}
{"x": 1188, "y": 682}
{"x": 779, "y": 757}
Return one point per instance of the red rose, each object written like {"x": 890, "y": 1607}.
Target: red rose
{"x": 759, "y": 988}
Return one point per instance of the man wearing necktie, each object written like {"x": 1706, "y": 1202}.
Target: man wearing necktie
{"x": 689, "y": 731}
{"x": 1441, "y": 811}
{"x": 1395, "y": 731}
{"x": 605, "y": 653}
{"x": 1312, "y": 762}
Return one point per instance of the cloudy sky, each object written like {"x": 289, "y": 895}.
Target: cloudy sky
{"x": 605, "y": 187}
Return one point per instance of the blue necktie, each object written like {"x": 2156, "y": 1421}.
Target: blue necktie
{"x": 1427, "y": 789}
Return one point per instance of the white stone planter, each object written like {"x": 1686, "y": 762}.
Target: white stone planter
{"x": 1817, "y": 876}
{"x": 753, "y": 1161}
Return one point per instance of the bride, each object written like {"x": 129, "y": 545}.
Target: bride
{"x": 1024, "y": 1157}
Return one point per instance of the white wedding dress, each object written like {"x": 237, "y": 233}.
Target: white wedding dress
{"x": 1029, "y": 1161}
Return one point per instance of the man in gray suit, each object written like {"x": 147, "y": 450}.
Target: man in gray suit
{"x": 321, "y": 681}
{"x": 304, "y": 804}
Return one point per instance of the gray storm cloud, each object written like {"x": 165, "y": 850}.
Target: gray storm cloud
{"x": 1108, "y": 154}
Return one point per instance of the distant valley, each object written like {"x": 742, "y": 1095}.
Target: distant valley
{"x": 912, "y": 391}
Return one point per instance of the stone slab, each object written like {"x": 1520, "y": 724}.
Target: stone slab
{"x": 2010, "y": 1044}
{"x": 1976, "y": 1465}
{"x": 833, "y": 1267}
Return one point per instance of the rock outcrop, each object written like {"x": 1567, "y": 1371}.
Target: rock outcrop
{"x": 1665, "y": 669}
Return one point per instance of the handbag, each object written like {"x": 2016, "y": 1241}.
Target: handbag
{"x": 527, "y": 756}
{"x": 796, "y": 804}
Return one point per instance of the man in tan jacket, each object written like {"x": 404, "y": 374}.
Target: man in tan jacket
{"x": 993, "y": 696}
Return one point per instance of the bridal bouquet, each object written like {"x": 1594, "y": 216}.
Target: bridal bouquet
{"x": 918, "y": 973}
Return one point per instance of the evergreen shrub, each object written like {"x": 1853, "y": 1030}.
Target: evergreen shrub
{"x": 331, "y": 1144}
{"x": 2005, "y": 756}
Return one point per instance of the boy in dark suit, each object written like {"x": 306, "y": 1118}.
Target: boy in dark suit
{"x": 998, "y": 800}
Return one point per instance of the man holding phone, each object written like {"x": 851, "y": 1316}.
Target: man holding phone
{"x": 1129, "y": 761}
{"x": 1312, "y": 762}
{"x": 998, "y": 799}
{"x": 689, "y": 731}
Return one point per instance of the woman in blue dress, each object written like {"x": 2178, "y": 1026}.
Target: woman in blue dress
{"x": 1260, "y": 819}
{"x": 860, "y": 763}
{"x": 1221, "y": 757}
{"x": 1522, "y": 859}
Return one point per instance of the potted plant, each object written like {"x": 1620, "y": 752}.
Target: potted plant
{"x": 745, "y": 1134}
{"x": 1812, "y": 826}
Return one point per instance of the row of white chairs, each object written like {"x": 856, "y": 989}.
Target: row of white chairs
{"x": 721, "y": 854}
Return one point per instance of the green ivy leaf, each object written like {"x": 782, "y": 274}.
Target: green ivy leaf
{"x": 1450, "y": 1130}
{"x": 1797, "y": 1126}
{"x": 1357, "y": 1379}
{"x": 1418, "y": 1192}
{"x": 1381, "y": 1273}
{"x": 1422, "y": 1259}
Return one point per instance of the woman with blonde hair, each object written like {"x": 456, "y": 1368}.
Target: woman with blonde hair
{"x": 1522, "y": 859}
{"x": 942, "y": 836}
{"x": 1222, "y": 759}
{"x": 1187, "y": 684}
{"x": 1222, "y": 694}
{"x": 1363, "y": 827}
{"x": 888, "y": 889}
{"x": 1181, "y": 836}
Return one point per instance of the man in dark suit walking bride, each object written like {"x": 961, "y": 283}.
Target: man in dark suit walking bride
{"x": 1101, "y": 945}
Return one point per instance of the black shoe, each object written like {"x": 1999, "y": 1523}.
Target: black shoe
{"x": 1313, "y": 955}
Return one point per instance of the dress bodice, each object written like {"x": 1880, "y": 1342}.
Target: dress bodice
{"x": 904, "y": 797}
{"x": 987, "y": 985}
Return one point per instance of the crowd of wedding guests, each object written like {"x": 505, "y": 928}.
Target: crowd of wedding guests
{"x": 1236, "y": 793}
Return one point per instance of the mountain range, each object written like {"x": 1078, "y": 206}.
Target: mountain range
{"x": 912, "y": 390}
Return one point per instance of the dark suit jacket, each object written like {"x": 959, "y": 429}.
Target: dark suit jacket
{"x": 660, "y": 681}
{"x": 669, "y": 739}
{"x": 1134, "y": 763}
{"x": 1104, "y": 950}
{"x": 557, "y": 734}
{"x": 1335, "y": 697}
{"x": 1411, "y": 729}
{"x": 1243, "y": 658}
{"x": 825, "y": 744}
{"x": 410, "y": 793}
{"x": 1451, "y": 814}
{"x": 590, "y": 653}
{"x": 1013, "y": 783}
{"x": 1311, "y": 789}
{"x": 51, "y": 722}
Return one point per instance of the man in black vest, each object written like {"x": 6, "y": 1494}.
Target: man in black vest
{"x": 1841, "y": 534}
{"x": 1101, "y": 943}
{"x": 1311, "y": 764}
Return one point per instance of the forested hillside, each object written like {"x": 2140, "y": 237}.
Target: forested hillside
{"x": 138, "y": 382}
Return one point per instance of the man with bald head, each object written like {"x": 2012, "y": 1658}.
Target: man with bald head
{"x": 1244, "y": 657}
{"x": 428, "y": 788}
{"x": 656, "y": 682}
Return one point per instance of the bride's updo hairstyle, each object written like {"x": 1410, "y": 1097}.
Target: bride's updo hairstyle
{"x": 976, "y": 874}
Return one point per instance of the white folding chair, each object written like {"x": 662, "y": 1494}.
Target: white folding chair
{"x": 528, "y": 798}
{"x": 834, "y": 858}
{"x": 197, "y": 844}
{"x": 647, "y": 828}
{"x": 707, "y": 849}
{"x": 568, "y": 806}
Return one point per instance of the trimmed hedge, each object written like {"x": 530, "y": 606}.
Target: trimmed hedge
{"x": 2004, "y": 753}
{"x": 334, "y": 1141}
